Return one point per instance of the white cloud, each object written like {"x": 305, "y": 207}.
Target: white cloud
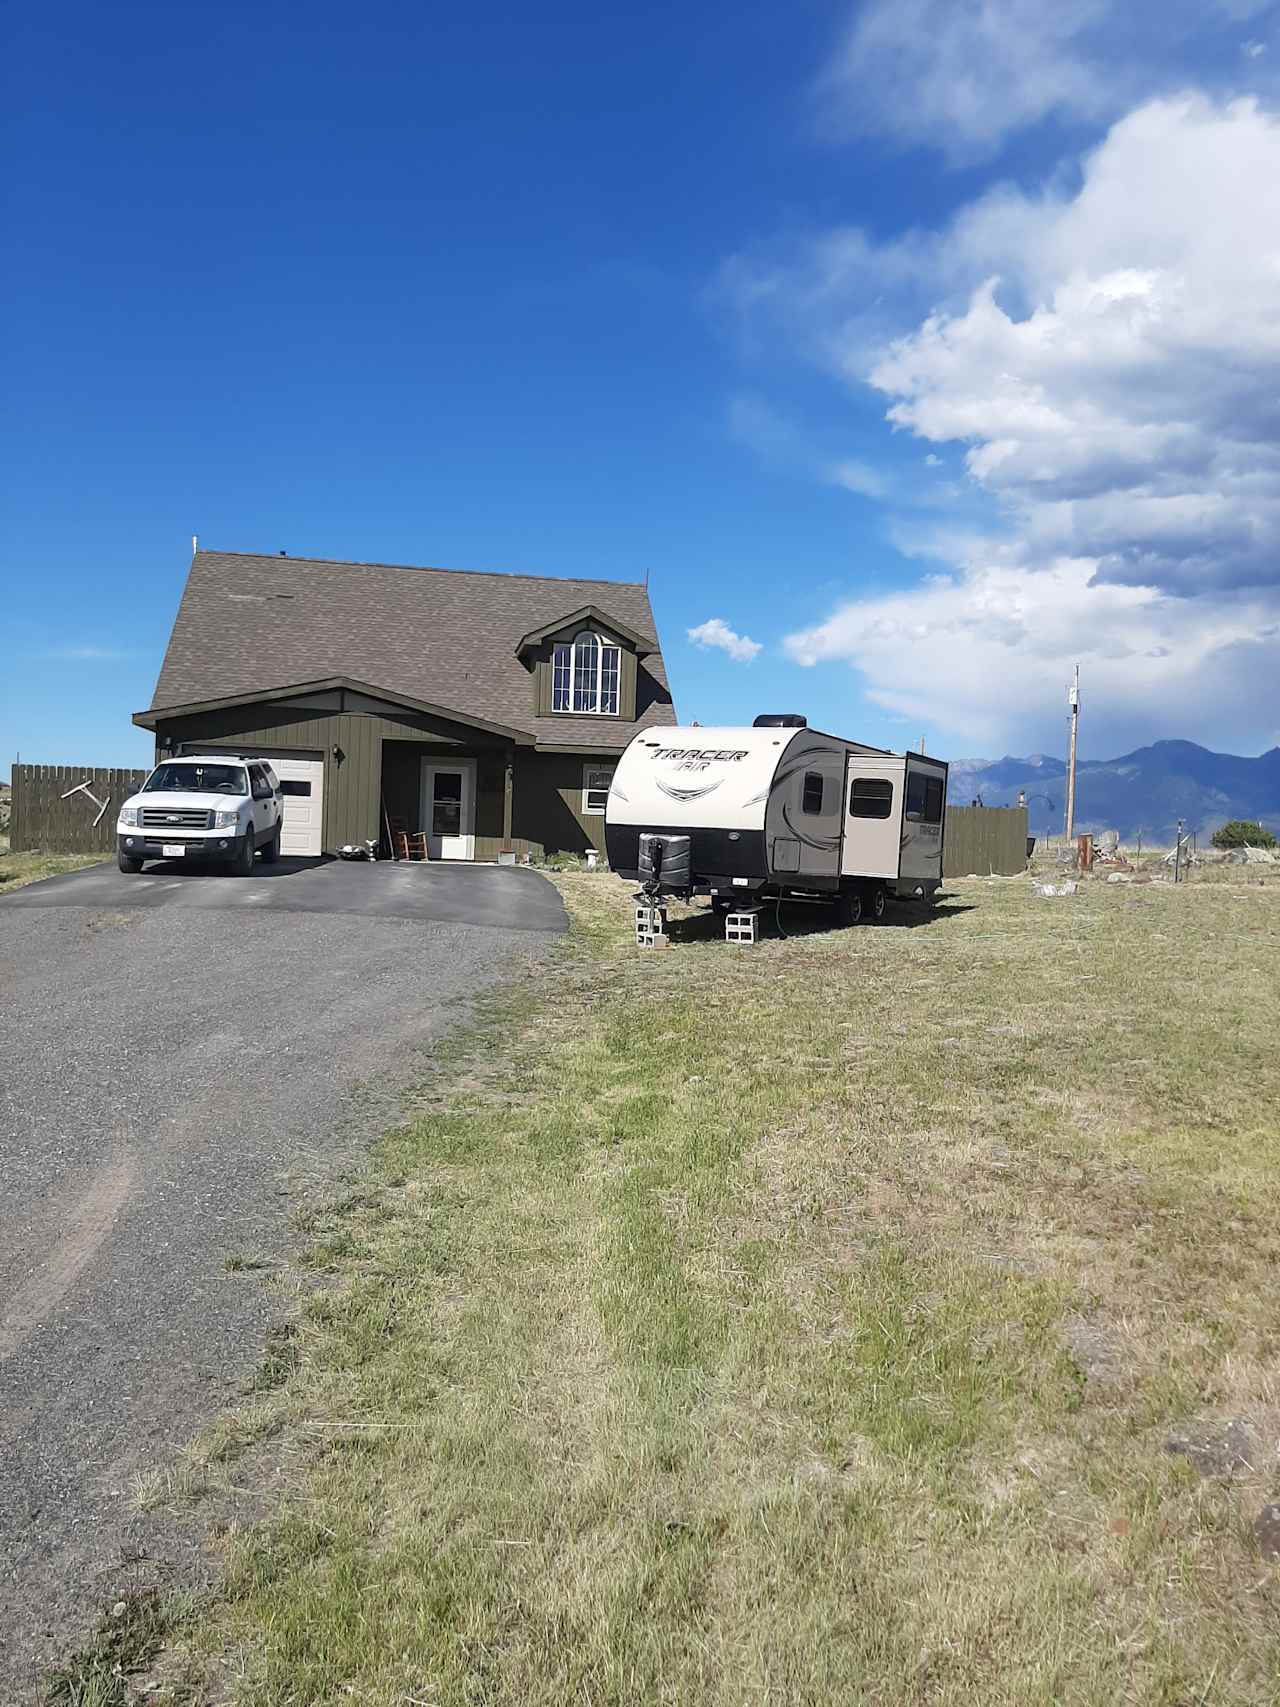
{"x": 1110, "y": 358}
{"x": 985, "y": 652}
{"x": 1117, "y": 381}
{"x": 716, "y": 632}
{"x": 963, "y": 75}
{"x": 859, "y": 477}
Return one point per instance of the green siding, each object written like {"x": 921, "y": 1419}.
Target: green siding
{"x": 548, "y": 802}
{"x": 542, "y": 675}
{"x": 382, "y": 756}
{"x": 627, "y": 687}
{"x": 352, "y": 780}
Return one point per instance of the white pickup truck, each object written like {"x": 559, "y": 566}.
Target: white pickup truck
{"x": 203, "y": 806}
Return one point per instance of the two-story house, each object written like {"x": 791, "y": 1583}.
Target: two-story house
{"x": 486, "y": 709}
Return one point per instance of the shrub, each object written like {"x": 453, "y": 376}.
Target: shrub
{"x": 1243, "y": 832}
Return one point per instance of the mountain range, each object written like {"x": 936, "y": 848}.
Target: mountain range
{"x": 1143, "y": 793}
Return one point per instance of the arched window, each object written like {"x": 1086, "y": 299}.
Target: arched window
{"x": 585, "y": 674}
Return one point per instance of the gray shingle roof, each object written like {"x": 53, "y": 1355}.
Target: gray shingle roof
{"x": 251, "y": 623}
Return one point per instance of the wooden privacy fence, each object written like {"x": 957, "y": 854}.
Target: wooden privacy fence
{"x": 40, "y": 816}
{"x": 984, "y": 839}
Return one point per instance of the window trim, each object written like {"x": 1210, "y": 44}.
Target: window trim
{"x": 922, "y": 815}
{"x": 887, "y": 799}
{"x": 588, "y": 788}
{"x": 565, "y": 668}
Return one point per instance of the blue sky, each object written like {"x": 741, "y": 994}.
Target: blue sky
{"x": 697, "y": 291}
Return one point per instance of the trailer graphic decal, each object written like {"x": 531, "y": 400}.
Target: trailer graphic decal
{"x": 686, "y": 794}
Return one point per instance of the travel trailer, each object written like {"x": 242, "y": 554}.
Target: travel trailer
{"x": 748, "y": 814}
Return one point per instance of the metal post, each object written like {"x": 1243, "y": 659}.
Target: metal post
{"x": 1177, "y": 855}
{"x": 1073, "y": 700}
{"x": 507, "y": 791}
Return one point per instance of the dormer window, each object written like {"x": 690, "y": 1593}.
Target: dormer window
{"x": 585, "y": 674}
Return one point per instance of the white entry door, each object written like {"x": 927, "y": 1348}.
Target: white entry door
{"x": 449, "y": 807}
{"x": 302, "y": 797}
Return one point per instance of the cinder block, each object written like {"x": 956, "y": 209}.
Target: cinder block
{"x": 742, "y": 927}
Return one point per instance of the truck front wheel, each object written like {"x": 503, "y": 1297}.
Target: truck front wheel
{"x": 243, "y": 866}
{"x": 126, "y": 862}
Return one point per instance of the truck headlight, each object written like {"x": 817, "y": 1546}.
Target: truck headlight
{"x": 129, "y": 816}
{"x": 226, "y": 820}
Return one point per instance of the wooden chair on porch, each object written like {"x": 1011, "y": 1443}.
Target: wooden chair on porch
{"x": 406, "y": 843}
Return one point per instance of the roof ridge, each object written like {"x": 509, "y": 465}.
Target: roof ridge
{"x": 425, "y": 568}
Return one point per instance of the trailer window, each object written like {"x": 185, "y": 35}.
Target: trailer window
{"x": 870, "y": 797}
{"x": 924, "y": 798}
{"x": 811, "y": 799}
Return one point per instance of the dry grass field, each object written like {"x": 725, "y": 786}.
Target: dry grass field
{"x": 18, "y": 869}
{"x": 885, "y": 1315}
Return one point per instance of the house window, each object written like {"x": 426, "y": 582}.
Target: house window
{"x": 924, "y": 798}
{"x": 870, "y": 797}
{"x": 585, "y": 675}
{"x": 595, "y": 789}
{"x": 811, "y": 799}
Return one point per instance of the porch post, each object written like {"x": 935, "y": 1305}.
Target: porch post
{"x": 508, "y": 783}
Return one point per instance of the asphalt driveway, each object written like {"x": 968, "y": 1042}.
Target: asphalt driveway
{"x": 503, "y": 897}
{"x": 184, "y": 1059}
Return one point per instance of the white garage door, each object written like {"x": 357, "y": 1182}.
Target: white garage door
{"x": 302, "y": 791}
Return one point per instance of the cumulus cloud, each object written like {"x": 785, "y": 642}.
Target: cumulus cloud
{"x": 984, "y": 652}
{"x": 1123, "y": 402}
{"x": 1108, "y": 357}
{"x": 715, "y": 632}
{"x": 962, "y": 75}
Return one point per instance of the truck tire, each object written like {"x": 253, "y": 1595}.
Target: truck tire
{"x": 271, "y": 853}
{"x": 243, "y": 866}
{"x": 126, "y": 862}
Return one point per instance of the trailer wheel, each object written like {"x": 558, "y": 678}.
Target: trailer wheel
{"x": 849, "y": 907}
{"x": 879, "y": 901}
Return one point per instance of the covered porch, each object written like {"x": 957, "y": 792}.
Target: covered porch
{"x": 460, "y": 796}
{"x": 482, "y": 798}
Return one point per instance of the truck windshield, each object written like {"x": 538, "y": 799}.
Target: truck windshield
{"x": 197, "y": 779}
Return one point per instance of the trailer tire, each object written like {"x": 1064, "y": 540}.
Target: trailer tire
{"x": 879, "y": 901}
{"x": 849, "y": 907}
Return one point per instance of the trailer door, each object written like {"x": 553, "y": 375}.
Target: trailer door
{"x": 873, "y": 815}
{"x": 922, "y": 816}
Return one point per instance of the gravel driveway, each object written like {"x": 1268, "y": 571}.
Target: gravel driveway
{"x": 173, "y": 1078}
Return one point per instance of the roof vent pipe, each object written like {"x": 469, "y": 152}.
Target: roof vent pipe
{"x": 780, "y": 720}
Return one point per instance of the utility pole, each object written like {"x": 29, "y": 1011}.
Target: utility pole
{"x": 1073, "y": 700}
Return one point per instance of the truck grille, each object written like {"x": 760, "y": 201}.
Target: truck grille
{"x": 156, "y": 818}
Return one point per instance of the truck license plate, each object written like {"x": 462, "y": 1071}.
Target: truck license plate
{"x": 173, "y": 850}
